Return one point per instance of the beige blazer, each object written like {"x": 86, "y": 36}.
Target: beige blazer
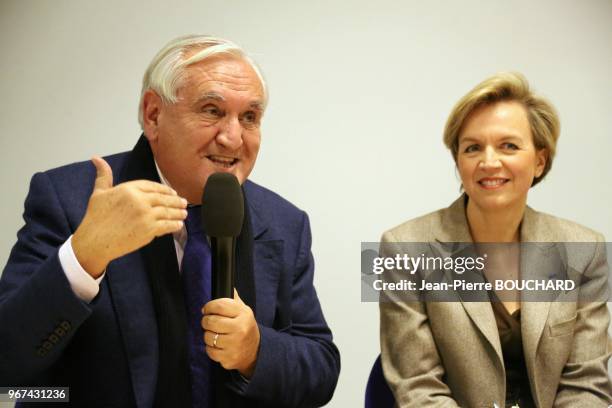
{"x": 447, "y": 354}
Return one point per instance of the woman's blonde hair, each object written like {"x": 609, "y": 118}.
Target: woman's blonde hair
{"x": 507, "y": 86}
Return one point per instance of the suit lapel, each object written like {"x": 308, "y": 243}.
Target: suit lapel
{"x": 131, "y": 296}
{"x": 454, "y": 231}
{"x": 259, "y": 223}
{"x": 267, "y": 268}
{"x": 537, "y": 250}
{"x": 253, "y": 226}
{"x": 131, "y": 293}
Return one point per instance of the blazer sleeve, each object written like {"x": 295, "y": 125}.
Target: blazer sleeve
{"x": 39, "y": 312}
{"x": 585, "y": 380}
{"x": 297, "y": 365}
{"x": 409, "y": 356}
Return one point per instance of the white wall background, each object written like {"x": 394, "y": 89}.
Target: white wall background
{"x": 359, "y": 95}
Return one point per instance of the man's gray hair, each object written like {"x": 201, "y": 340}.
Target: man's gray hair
{"x": 167, "y": 68}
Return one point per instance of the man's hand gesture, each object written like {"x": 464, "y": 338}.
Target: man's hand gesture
{"x": 123, "y": 218}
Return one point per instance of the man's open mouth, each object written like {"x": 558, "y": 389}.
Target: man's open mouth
{"x": 223, "y": 161}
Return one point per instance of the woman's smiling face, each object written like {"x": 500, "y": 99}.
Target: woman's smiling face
{"x": 497, "y": 159}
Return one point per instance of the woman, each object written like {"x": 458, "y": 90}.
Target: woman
{"x": 495, "y": 354}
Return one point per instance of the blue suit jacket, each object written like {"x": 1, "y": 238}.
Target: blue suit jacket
{"x": 107, "y": 351}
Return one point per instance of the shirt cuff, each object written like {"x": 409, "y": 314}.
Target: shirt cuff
{"x": 84, "y": 286}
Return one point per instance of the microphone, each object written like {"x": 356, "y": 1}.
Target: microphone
{"x": 222, "y": 216}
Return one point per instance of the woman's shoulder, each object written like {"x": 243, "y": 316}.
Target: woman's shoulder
{"x": 445, "y": 225}
{"x": 546, "y": 227}
{"x": 419, "y": 229}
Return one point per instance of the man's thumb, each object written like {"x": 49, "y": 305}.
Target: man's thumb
{"x": 237, "y": 296}
{"x": 104, "y": 174}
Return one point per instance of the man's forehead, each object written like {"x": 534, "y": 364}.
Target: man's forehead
{"x": 223, "y": 69}
{"x": 215, "y": 76}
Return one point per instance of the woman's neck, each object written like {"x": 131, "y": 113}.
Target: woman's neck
{"x": 495, "y": 226}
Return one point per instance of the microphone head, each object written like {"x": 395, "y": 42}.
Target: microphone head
{"x": 222, "y": 206}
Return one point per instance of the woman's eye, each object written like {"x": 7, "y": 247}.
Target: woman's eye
{"x": 509, "y": 146}
{"x": 471, "y": 148}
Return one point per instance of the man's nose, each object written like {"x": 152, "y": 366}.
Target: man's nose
{"x": 490, "y": 158}
{"x": 230, "y": 134}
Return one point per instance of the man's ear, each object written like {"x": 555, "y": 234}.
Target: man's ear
{"x": 151, "y": 107}
{"x": 541, "y": 159}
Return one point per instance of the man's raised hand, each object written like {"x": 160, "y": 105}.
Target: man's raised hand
{"x": 123, "y": 218}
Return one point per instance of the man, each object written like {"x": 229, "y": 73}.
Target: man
{"x": 97, "y": 293}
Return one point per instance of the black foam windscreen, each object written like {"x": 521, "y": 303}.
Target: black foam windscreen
{"x": 222, "y": 205}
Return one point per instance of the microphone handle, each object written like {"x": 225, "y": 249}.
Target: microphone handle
{"x": 223, "y": 266}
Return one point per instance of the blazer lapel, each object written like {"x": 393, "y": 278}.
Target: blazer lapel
{"x": 258, "y": 222}
{"x": 133, "y": 303}
{"x": 267, "y": 268}
{"x": 131, "y": 292}
{"x": 454, "y": 230}
{"x": 537, "y": 251}
{"x": 254, "y": 226}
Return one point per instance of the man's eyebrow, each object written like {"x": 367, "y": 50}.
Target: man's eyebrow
{"x": 257, "y": 105}
{"x": 211, "y": 95}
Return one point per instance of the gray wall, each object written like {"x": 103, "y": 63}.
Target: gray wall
{"x": 359, "y": 95}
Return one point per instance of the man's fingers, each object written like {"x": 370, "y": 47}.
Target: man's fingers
{"x": 104, "y": 174}
{"x": 223, "y": 307}
{"x": 166, "y": 200}
{"x": 214, "y": 354}
{"x": 164, "y": 227}
{"x": 217, "y": 324}
{"x": 210, "y": 336}
{"x": 148, "y": 186}
{"x": 222, "y": 357}
{"x": 166, "y": 213}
